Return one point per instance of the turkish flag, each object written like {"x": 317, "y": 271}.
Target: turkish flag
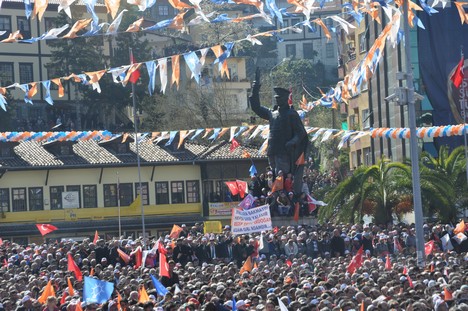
{"x": 388, "y": 263}
{"x": 242, "y": 186}
{"x": 310, "y": 202}
{"x": 161, "y": 248}
{"x": 356, "y": 262}
{"x": 290, "y": 100}
{"x": 163, "y": 265}
{"x": 138, "y": 257}
{"x": 458, "y": 74}
{"x": 136, "y": 74}
{"x": 46, "y": 228}
{"x": 73, "y": 267}
{"x": 234, "y": 145}
{"x": 429, "y": 247}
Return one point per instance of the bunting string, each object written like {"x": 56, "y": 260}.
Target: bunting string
{"x": 237, "y": 133}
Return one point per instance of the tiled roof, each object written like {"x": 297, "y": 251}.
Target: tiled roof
{"x": 90, "y": 153}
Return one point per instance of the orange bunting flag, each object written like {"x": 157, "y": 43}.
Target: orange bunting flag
{"x": 388, "y": 263}
{"x": 175, "y": 69}
{"x": 461, "y": 11}
{"x": 79, "y": 25}
{"x": 143, "y": 295}
{"x": 319, "y": 22}
{"x": 300, "y": 160}
{"x": 33, "y": 90}
{"x": 96, "y": 237}
{"x": 13, "y": 37}
{"x": 61, "y": 90}
{"x": 123, "y": 255}
{"x": 71, "y": 291}
{"x": 136, "y": 26}
{"x": 179, "y": 5}
{"x": 246, "y": 155}
{"x": 247, "y": 267}
{"x": 47, "y": 292}
{"x": 175, "y": 232}
{"x": 447, "y": 294}
{"x": 460, "y": 228}
{"x": 112, "y": 7}
{"x": 40, "y": 7}
{"x": 296, "y": 211}
{"x": 178, "y": 21}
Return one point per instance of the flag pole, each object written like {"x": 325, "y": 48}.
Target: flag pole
{"x": 118, "y": 204}
{"x": 135, "y": 125}
{"x": 463, "y": 106}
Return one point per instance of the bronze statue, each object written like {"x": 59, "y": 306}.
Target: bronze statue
{"x": 288, "y": 139}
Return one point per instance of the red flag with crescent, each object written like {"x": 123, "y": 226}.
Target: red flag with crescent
{"x": 46, "y": 228}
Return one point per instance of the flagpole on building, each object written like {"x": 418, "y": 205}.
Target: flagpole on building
{"x": 135, "y": 126}
{"x": 118, "y": 204}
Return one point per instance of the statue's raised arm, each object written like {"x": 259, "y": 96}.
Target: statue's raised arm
{"x": 254, "y": 99}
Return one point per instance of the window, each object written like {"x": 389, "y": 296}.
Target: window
{"x": 162, "y": 192}
{"x": 89, "y": 196}
{"x": 193, "y": 191}
{"x": 290, "y": 50}
{"x": 365, "y": 119}
{"x": 76, "y": 188}
{"x": 110, "y": 195}
{"x": 49, "y": 23}
{"x": 36, "y": 199}
{"x": 56, "y": 197}
{"x": 5, "y": 25}
{"x": 126, "y": 194}
{"x": 18, "y": 196}
{"x": 308, "y": 50}
{"x": 295, "y": 21}
{"x": 26, "y": 73}
{"x": 285, "y": 25}
{"x": 4, "y": 200}
{"x": 6, "y": 74}
{"x": 24, "y": 26}
{"x": 362, "y": 42}
{"x": 177, "y": 192}
{"x": 145, "y": 194}
{"x": 163, "y": 10}
{"x": 329, "y": 50}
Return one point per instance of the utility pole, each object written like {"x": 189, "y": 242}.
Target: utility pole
{"x": 405, "y": 96}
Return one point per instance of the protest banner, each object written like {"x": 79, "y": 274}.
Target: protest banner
{"x": 253, "y": 220}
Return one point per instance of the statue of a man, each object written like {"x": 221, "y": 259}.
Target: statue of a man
{"x": 288, "y": 139}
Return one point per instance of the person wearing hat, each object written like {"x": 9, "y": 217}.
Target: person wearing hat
{"x": 288, "y": 140}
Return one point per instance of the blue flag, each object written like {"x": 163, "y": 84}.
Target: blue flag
{"x": 97, "y": 291}
{"x": 252, "y": 170}
{"x": 162, "y": 291}
{"x": 234, "y": 308}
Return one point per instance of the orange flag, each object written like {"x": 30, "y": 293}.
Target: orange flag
{"x": 79, "y": 25}
{"x": 176, "y": 230}
{"x": 33, "y": 90}
{"x": 123, "y": 255}
{"x": 112, "y": 7}
{"x": 143, "y": 295}
{"x": 296, "y": 212}
{"x": 388, "y": 263}
{"x": 277, "y": 184}
{"x": 48, "y": 291}
{"x": 78, "y": 306}
{"x": 136, "y": 26}
{"x": 460, "y": 228}
{"x": 319, "y": 22}
{"x": 461, "y": 11}
{"x": 179, "y": 5}
{"x": 247, "y": 267}
{"x": 91, "y": 273}
{"x": 96, "y": 237}
{"x": 13, "y": 37}
{"x": 119, "y": 299}
{"x": 40, "y": 7}
{"x": 447, "y": 294}
{"x": 175, "y": 69}
{"x": 300, "y": 160}
{"x": 363, "y": 306}
{"x": 71, "y": 291}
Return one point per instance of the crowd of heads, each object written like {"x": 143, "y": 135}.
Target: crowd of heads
{"x": 293, "y": 267}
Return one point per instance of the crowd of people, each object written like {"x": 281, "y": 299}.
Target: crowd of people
{"x": 288, "y": 268}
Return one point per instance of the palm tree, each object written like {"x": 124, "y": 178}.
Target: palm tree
{"x": 376, "y": 183}
{"x": 450, "y": 168}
